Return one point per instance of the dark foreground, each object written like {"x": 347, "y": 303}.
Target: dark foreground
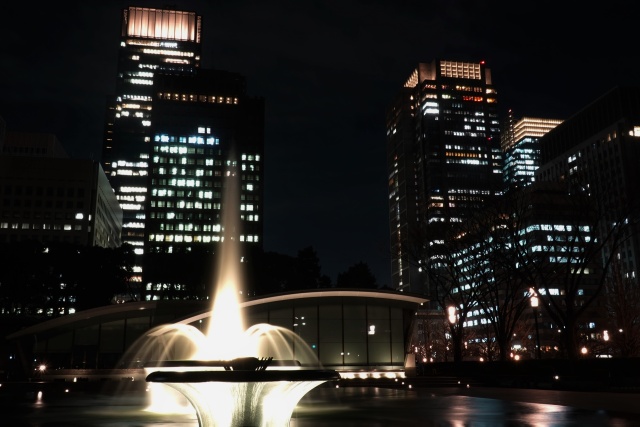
{"x": 347, "y": 406}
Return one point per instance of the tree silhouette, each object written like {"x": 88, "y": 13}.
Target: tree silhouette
{"x": 53, "y": 279}
{"x": 285, "y": 273}
{"x": 565, "y": 255}
{"x": 358, "y": 276}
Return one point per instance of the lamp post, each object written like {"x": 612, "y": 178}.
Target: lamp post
{"x": 534, "y": 306}
{"x": 451, "y": 310}
{"x": 451, "y": 316}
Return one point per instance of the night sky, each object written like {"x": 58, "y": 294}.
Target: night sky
{"x": 328, "y": 70}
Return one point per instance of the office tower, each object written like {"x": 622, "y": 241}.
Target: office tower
{"x": 151, "y": 41}
{"x": 444, "y": 158}
{"x": 174, "y": 133}
{"x": 597, "y": 151}
{"x": 519, "y": 143}
{"x": 206, "y": 129}
{"x": 49, "y": 197}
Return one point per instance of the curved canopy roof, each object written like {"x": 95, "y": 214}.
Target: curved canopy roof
{"x": 190, "y": 311}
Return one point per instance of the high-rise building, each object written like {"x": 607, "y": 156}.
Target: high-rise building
{"x": 507, "y": 256}
{"x": 49, "y": 197}
{"x": 207, "y": 131}
{"x": 597, "y": 151}
{"x": 175, "y": 132}
{"x": 444, "y": 158}
{"x": 152, "y": 41}
{"x": 519, "y": 142}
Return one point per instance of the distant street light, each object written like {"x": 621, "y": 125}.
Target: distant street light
{"x": 534, "y": 305}
{"x": 452, "y": 314}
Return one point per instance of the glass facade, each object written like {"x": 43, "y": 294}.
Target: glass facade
{"x": 152, "y": 41}
{"x": 521, "y": 148}
{"x": 345, "y": 333}
{"x": 170, "y": 132}
{"x": 205, "y": 177}
{"x": 443, "y": 158}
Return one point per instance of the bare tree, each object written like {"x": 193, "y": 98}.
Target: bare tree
{"x": 481, "y": 343}
{"x": 554, "y": 240}
{"x": 451, "y": 284}
{"x": 565, "y": 253}
{"x": 505, "y": 294}
{"x": 431, "y": 339}
{"x": 544, "y": 240}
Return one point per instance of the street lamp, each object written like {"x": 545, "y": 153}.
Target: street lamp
{"x": 534, "y": 306}
{"x": 452, "y": 314}
{"x": 451, "y": 311}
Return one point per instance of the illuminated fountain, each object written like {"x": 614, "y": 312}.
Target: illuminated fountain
{"x": 230, "y": 376}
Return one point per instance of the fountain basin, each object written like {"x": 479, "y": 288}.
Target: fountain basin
{"x": 202, "y": 376}
{"x": 243, "y": 392}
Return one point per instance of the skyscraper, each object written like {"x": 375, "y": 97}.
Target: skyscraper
{"x": 206, "y": 132}
{"x": 520, "y": 143}
{"x": 597, "y": 151}
{"x": 174, "y": 132}
{"x": 151, "y": 41}
{"x": 444, "y": 158}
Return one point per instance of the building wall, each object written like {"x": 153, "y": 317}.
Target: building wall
{"x": 205, "y": 180}
{"x": 446, "y": 119}
{"x": 33, "y": 145}
{"x": 56, "y": 199}
{"x": 171, "y": 46}
{"x": 170, "y": 187}
{"x": 619, "y": 102}
{"x": 403, "y": 194}
{"x": 520, "y": 143}
{"x": 598, "y": 150}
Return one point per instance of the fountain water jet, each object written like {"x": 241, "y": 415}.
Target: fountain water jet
{"x": 231, "y": 376}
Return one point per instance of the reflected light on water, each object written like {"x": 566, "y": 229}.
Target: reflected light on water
{"x": 465, "y": 411}
{"x": 543, "y": 415}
